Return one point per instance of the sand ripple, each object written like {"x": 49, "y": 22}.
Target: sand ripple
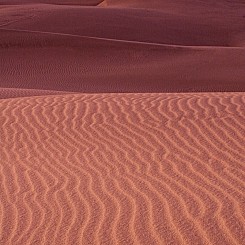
{"x": 123, "y": 169}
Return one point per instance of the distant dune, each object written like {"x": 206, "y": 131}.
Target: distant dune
{"x": 60, "y": 62}
{"x": 122, "y": 122}
{"x": 123, "y": 49}
{"x": 53, "y": 2}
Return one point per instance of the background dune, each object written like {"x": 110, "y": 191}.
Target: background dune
{"x": 55, "y": 2}
{"x": 60, "y": 62}
{"x": 123, "y": 169}
{"x": 124, "y": 49}
{"x": 154, "y": 26}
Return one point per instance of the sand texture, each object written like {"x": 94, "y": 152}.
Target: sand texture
{"x": 122, "y": 122}
{"x": 123, "y": 169}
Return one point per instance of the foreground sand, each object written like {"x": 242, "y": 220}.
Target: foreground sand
{"x": 123, "y": 169}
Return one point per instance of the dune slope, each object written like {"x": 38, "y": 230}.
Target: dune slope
{"x": 122, "y": 122}
{"x": 53, "y": 2}
{"x": 34, "y": 60}
{"x": 124, "y": 46}
{"x": 123, "y": 169}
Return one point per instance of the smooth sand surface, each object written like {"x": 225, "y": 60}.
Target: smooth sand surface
{"x": 124, "y": 48}
{"x": 123, "y": 169}
{"x": 55, "y": 2}
{"x": 122, "y": 122}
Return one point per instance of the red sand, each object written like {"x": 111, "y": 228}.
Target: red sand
{"x": 123, "y": 169}
{"x": 139, "y": 167}
{"x": 121, "y": 49}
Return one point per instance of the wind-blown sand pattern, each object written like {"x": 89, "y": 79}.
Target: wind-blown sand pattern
{"x": 123, "y": 169}
{"x": 122, "y": 122}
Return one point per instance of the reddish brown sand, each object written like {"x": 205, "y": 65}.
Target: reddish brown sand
{"x": 139, "y": 167}
{"x": 123, "y": 169}
{"x": 165, "y": 46}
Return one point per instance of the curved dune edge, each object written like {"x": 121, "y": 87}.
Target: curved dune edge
{"x": 6, "y": 93}
{"x": 123, "y": 169}
{"x": 53, "y": 2}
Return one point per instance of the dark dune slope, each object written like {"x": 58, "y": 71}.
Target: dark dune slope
{"x": 58, "y": 2}
{"x": 73, "y": 63}
{"x": 133, "y": 24}
{"x": 123, "y": 49}
{"x": 184, "y": 6}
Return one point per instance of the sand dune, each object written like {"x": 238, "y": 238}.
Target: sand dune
{"x": 6, "y": 93}
{"x": 184, "y": 6}
{"x": 53, "y": 2}
{"x": 34, "y": 60}
{"x": 122, "y": 122}
{"x": 114, "y": 49}
{"x": 123, "y": 169}
{"x": 144, "y": 25}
